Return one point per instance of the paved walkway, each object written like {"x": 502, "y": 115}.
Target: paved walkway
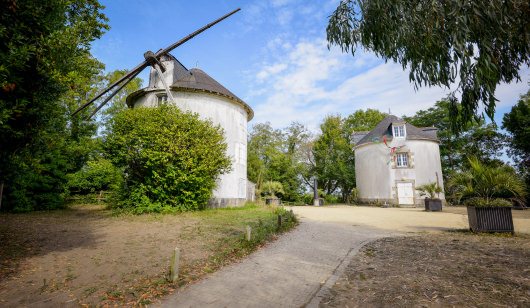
{"x": 286, "y": 273}
{"x": 298, "y": 268}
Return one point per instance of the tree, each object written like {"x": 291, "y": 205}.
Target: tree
{"x": 517, "y": 123}
{"x": 171, "y": 158}
{"x": 476, "y": 138}
{"x": 117, "y": 104}
{"x": 276, "y": 155}
{"x": 45, "y": 52}
{"x": 362, "y": 120}
{"x": 333, "y": 156}
{"x": 477, "y": 43}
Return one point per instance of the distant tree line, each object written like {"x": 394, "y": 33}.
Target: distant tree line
{"x": 294, "y": 156}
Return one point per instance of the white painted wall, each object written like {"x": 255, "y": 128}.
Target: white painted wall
{"x": 376, "y": 180}
{"x": 232, "y": 117}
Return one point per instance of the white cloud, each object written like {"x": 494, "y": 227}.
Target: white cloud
{"x": 308, "y": 81}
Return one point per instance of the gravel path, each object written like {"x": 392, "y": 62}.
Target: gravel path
{"x": 299, "y": 268}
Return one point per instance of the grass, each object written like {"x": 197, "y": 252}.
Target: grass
{"x": 124, "y": 259}
{"x": 226, "y": 226}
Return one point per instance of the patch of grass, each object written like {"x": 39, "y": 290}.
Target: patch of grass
{"x": 224, "y": 231}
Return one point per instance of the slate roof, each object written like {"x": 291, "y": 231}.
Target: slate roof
{"x": 384, "y": 128}
{"x": 200, "y": 81}
{"x": 194, "y": 80}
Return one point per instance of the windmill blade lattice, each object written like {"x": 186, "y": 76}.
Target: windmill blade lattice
{"x": 151, "y": 59}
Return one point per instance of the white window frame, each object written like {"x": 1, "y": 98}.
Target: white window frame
{"x": 398, "y": 131}
{"x": 402, "y": 160}
{"x": 161, "y": 99}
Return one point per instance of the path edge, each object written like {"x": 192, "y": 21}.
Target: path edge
{"x": 324, "y": 289}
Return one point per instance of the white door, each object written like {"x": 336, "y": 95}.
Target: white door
{"x": 405, "y": 193}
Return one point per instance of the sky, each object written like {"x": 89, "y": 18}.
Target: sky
{"x": 272, "y": 54}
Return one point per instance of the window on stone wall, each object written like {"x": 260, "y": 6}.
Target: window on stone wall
{"x": 402, "y": 160}
{"x": 399, "y": 131}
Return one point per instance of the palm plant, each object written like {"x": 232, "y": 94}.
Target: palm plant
{"x": 271, "y": 188}
{"x": 487, "y": 183}
{"x": 429, "y": 190}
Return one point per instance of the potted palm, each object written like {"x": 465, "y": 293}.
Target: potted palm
{"x": 487, "y": 193}
{"x": 271, "y": 188}
{"x": 431, "y": 192}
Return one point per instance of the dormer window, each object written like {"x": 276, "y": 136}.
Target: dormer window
{"x": 399, "y": 131}
{"x": 162, "y": 99}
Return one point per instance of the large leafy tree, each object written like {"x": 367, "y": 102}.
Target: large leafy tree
{"x": 517, "y": 123}
{"x": 477, "y": 138}
{"x": 333, "y": 156}
{"x": 118, "y": 103}
{"x": 477, "y": 43}
{"x": 44, "y": 56}
{"x": 364, "y": 120}
{"x": 171, "y": 158}
{"x": 277, "y": 155}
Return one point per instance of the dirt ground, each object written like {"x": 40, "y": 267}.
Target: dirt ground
{"x": 432, "y": 262}
{"x": 402, "y": 220}
{"x": 452, "y": 269}
{"x": 85, "y": 256}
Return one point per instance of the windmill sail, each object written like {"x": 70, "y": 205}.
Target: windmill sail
{"x": 140, "y": 67}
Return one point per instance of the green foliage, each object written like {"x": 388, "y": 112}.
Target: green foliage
{"x": 431, "y": 190}
{"x": 271, "y": 188}
{"x": 517, "y": 123}
{"x": 308, "y": 198}
{"x": 118, "y": 103}
{"x": 171, "y": 158}
{"x": 481, "y": 202}
{"x": 331, "y": 199}
{"x": 278, "y": 155}
{"x": 488, "y": 183}
{"x": 99, "y": 174}
{"x": 334, "y": 158}
{"x": 362, "y": 120}
{"x": 477, "y": 43}
{"x": 46, "y": 68}
{"x": 476, "y": 138}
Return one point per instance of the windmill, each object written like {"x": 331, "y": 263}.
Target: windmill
{"x": 151, "y": 59}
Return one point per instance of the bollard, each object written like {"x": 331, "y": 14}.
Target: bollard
{"x": 279, "y": 220}
{"x": 247, "y": 234}
{"x": 175, "y": 265}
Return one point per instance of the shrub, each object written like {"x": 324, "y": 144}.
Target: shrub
{"x": 171, "y": 158}
{"x": 331, "y": 199}
{"x": 481, "y": 202}
{"x": 308, "y": 198}
{"x": 99, "y": 174}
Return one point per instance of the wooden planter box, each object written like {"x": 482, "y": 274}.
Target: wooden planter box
{"x": 434, "y": 205}
{"x": 272, "y": 201}
{"x": 490, "y": 219}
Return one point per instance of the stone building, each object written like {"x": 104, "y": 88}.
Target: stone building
{"x": 393, "y": 159}
{"x": 194, "y": 90}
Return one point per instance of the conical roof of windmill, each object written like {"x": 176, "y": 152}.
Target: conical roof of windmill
{"x": 193, "y": 80}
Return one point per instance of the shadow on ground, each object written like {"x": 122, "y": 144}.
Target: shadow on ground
{"x": 39, "y": 233}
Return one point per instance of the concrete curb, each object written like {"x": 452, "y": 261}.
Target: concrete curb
{"x": 324, "y": 289}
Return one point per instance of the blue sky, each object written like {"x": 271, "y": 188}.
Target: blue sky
{"x": 272, "y": 54}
